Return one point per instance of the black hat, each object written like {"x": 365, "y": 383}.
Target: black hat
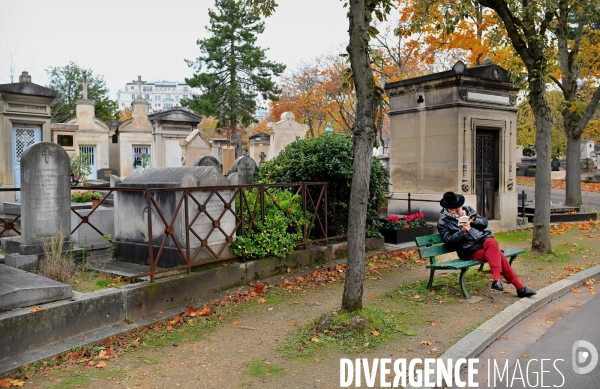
{"x": 452, "y": 200}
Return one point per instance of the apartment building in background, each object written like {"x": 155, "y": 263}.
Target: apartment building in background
{"x": 161, "y": 95}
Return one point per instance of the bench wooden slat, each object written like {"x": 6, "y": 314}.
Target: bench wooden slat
{"x": 428, "y": 240}
{"x": 431, "y": 251}
{"x": 455, "y": 264}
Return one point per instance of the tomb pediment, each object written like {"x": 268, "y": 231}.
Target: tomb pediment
{"x": 176, "y": 115}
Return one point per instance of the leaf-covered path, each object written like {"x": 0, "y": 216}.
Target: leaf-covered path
{"x": 239, "y": 349}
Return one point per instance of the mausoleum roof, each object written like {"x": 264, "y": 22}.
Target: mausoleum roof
{"x": 488, "y": 72}
{"x": 28, "y": 88}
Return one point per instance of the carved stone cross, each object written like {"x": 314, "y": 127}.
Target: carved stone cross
{"x": 139, "y": 84}
{"x": 262, "y": 156}
{"x": 46, "y": 153}
{"x": 237, "y": 143}
{"x": 85, "y": 84}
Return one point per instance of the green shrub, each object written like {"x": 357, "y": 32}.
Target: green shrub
{"x": 277, "y": 235}
{"x": 328, "y": 158}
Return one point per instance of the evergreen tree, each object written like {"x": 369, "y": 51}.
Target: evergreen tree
{"x": 231, "y": 70}
{"x": 65, "y": 80}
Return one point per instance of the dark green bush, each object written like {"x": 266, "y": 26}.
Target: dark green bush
{"x": 281, "y": 229}
{"x": 328, "y": 158}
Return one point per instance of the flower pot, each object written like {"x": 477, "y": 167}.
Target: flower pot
{"x": 259, "y": 288}
{"x": 404, "y": 235}
{"x": 95, "y": 203}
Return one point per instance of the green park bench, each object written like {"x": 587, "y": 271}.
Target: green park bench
{"x": 431, "y": 246}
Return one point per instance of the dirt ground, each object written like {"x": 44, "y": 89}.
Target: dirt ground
{"x": 219, "y": 357}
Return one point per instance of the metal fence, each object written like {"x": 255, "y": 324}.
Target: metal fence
{"x": 203, "y": 215}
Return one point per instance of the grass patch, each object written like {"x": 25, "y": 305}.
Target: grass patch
{"x": 447, "y": 288}
{"x": 381, "y": 325}
{"x": 80, "y": 378}
{"x": 263, "y": 369}
{"x": 91, "y": 280}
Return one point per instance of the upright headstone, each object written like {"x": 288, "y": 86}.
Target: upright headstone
{"x": 246, "y": 170}
{"x": 228, "y": 158}
{"x": 45, "y": 195}
{"x": 105, "y": 174}
{"x": 555, "y": 164}
{"x": 207, "y": 160}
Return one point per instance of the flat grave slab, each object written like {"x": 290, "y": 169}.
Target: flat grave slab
{"x": 20, "y": 289}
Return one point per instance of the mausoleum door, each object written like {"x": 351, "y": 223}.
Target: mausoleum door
{"x": 24, "y": 136}
{"x": 486, "y": 171}
{"x": 88, "y": 154}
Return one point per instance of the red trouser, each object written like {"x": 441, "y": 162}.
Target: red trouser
{"x": 492, "y": 254}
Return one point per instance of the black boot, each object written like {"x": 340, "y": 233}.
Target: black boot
{"x": 526, "y": 292}
{"x": 497, "y": 285}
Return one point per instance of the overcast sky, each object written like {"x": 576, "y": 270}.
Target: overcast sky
{"x": 123, "y": 39}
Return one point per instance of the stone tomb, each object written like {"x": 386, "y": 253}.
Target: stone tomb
{"x": 45, "y": 195}
{"x": 131, "y": 214}
{"x": 21, "y": 289}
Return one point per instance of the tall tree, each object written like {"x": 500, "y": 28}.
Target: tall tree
{"x": 232, "y": 70}
{"x": 527, "y": 25}
{"x": 65, "y": 80}
{"x": 578, "y": 41}
{"x": 361, "y": 15}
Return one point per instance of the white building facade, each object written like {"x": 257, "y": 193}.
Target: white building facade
{"x": 161, "y": 95}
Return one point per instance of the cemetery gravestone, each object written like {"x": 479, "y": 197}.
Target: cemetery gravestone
{"x": 208, "y": 161}
{"x": 104, "y": 174}
{"x": 45, "y": 195}
{"x": 555, "y": 164}
{"x": 246, "y": 169}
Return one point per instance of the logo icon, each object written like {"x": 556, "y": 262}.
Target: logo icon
{"x": 579, "y": 357}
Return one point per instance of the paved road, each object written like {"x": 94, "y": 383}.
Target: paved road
{"x": 591, "y": 200}
{"x": 547, "y": 336}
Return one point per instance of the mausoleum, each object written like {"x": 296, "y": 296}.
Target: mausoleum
{"x": 455, "y": 131}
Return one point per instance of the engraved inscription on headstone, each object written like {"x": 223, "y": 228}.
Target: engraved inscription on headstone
{"x": 45, "y": 194}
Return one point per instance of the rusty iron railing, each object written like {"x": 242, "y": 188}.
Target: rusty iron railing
{"x": 242, "y": 214}
{"x": 192, "y": 205}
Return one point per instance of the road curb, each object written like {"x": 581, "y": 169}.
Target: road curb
{"x": 478, "y": 340}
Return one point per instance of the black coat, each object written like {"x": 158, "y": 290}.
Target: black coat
{"x": 456, "y": 240}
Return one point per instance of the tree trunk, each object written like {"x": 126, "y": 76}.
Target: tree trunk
{"x": 573, "y": 174}
{"x": 540, "y": 243}
{"x": 368, "y": 98}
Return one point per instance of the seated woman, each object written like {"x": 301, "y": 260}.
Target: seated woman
{"x": 471, "y": 240}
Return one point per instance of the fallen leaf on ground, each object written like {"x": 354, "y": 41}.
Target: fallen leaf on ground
{"x": 502, "y": 352}
{"x": 235, "y": 323}
{"x": 262, "y": 300}
{"x": 4, "y": 383}
{"x": 101, "y": 364}
{"x": 375, "y": 333}
{"x": 525, "y": 355}
{"x": 426, "y": 342}
{"x": 35, "y": 309}
{"x": 575, "y": 290}
{"x": 433, "y": 324}
{"x": 315, "y": 340}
